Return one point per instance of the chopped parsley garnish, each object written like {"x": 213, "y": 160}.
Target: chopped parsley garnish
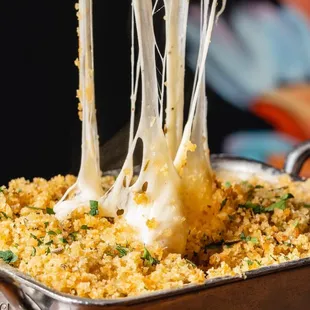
{"x": 213, "y": 246}
{"x": 257, "y": 209}
{"x": 109, "y": 253}
{"x": 231, "y": 217}
{"x": 34, "y": 251}
{"x": 248, "y": 238}
{"x": 258, "y": 262}
{"x": 49, "y": 243}
{"x": 8, "y": 256}
{"x": 122, "y": 251}
{"x": 63, "y": 240}
{"x": 190, "y": 263}
{"x": 58, "y": 231}
{"x": 148, "y": 258}
{"x": 34, "y": 208}
{"x": 227, "y": 184}
{"x": 50, "y": 211}
{"x": 1, "y": 189}
{"x": 51, "y": 233}
{"x": 223, "y": 203}
{"x": 250, "y": 263}
{"x": 36, "y": 238}
{"x": 73, "y": 235}
{"x": 4, "y": 214}
{"x": 296, "y": 223}
{"x": 84, "y": 227}
{"x": 46, "y": 224}
{"x": 93, "y": 207}
{"x": 307, "y": 205}
{"x": 217, "y": 245}
{"x": 281, "y": 204}
{"x": 258, "y": 186}
{"x": 48, "y": 251}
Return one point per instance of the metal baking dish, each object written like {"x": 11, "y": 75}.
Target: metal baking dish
{"x": 285, "y": 286}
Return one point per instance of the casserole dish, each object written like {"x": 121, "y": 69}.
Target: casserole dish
{"x": 281, "y": 286}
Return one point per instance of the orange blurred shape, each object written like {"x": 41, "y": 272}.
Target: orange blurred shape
{"x": 278, "y": 160}
{"x": 287, "y": 110}
{"x": 302, "y": 5}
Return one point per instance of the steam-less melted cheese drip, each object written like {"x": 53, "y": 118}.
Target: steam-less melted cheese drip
{"x": 152, "y": 204}
{"x": 166, "y": 196}
{"x": 176, "y": 24}
{"x": 175, "y": 181}
{"x": 88, "y": 185}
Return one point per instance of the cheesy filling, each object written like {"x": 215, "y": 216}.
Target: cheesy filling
{"x": 175, "y": 181}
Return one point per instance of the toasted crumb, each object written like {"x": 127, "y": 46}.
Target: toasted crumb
{"x": 96, "y": 257}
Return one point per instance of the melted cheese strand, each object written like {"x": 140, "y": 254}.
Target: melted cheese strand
{"x": 88, "y": 185}
{"x": 134, "y": 81}
{"x": 176, "y": 24}
{"x": 186, "y": 145}
{"x": 152, "y": 205}
{"x": 197, "y": 177}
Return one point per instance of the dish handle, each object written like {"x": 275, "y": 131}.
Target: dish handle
{"x": 296, "y": 158}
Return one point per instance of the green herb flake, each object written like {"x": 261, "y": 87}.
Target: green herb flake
{"x": 122, "y": 251}
{"x": 227, "y": 184}
{"x": 213, "y": 246}
{"x": 231, "y": 217}
{"x": 51, "y": 233}
{"x": 281, "y": 204}
{"x": 258, "y": 186}
{"x": 73, "y": 235}
{"x": 49, "y": 242}
{"x": 257, "y": 209}
{"x": 33, "y": 208}
{"x": 273, "y": 257}
{"x": 258, "y": 262}
{"x": 93, "y": 207}
{"x": 36, "y": 238}
{"x": 254, "y": 240}
{"x": 63, "y": 240}
{"x": 8, "y": 256}
{"x": 58, "y": 231}
{"x": 46, "y": 224}
{"x": 242, "y": 236}
{"x": 34, "y": 251}
{"x": 190, "y": 263}
{"x": 84, "y": 227}
{"x": 248, "y": 238}
{"x": 4, "y": 214}
{"x": 148, "y": 259}
{"x": 223, "y": 203}
{"x": 250, "y": 263}
{"x": 306, "y": 205}
{"x": 109, "y": 253}
{"x": 48, "y": 251}
{"x": 50, "y": 211}
{"x": 296, "y": 223}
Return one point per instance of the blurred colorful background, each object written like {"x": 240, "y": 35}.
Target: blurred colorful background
{"x": 258, "y": 75}
{"x": 259, "y": 62}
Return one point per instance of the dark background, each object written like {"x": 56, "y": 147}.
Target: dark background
{"x": 40, "y": 130}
